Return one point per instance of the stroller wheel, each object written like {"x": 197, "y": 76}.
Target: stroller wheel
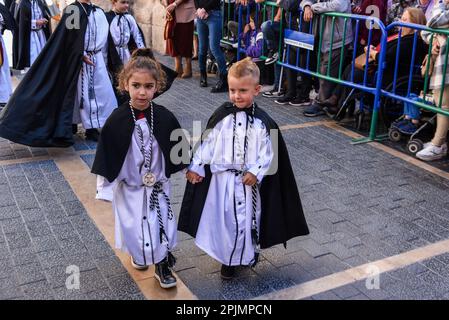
{"x": 414, "y": 146}
{"x": 394, "y": 135}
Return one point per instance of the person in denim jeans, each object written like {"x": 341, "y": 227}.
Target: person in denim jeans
{"x": 209, "y": 28}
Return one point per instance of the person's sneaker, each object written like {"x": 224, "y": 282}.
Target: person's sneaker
{"x": 272, "y": 58}
{"x": 300, "y": 101}
{"x": 407, "y": 127}
{"x": 74, "y": 128}
{"x": 432, "y": 152}
{"x": 273, "y": 94}
{"x": 266, "y": 88}
{"x": 227, "y": 272}
{"x": 138, "y": 266}
{"x": 92, "y": 134}
{"x": 284, "y": 100}
{"x": 164, "y": 275}
{"x": 313, "y": 111}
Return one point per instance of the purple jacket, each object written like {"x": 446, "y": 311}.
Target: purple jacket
{"x": 253, "y": 43}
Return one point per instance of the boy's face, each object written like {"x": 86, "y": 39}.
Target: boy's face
{"x": 121, "y": 6}
{"x": 141, "y": 87}
{"x": 242, "y": 91}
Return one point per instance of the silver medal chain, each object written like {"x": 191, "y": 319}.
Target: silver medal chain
{"x": 146, "y": 155}
{"x": 239, "y": 147}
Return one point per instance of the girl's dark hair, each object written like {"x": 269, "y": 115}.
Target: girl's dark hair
{"x": 142, "y": 59}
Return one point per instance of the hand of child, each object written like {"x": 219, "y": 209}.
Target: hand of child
{"x": 308, "y": 14}
{"x": 246, "y": 29}
{"x": 357, "y": 10}
{"x": 193, "y": 177}
{"x": 87, "y": 60}
{"x": 170, "y": 8}
{"x": 249, "y": 179}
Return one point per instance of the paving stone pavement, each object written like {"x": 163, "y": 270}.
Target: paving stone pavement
{"x": 361, "y": 205}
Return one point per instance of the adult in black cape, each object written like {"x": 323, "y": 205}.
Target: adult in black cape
{"x": 40, "y": 111}
{"x": 282, "y": 216}
{"x": 22, "y": 37}
{"x": 9, "y": 22}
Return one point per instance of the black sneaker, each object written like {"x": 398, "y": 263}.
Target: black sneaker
{"x": 227, "y": 272}
{"x": 164, "y": 275}
{"x": 92, "y": 134}
{"x": 273, "y": 94}
{"x": 284, "y": 100}
{"x": 300, "y": 101}
{"x": 221, "y": 86}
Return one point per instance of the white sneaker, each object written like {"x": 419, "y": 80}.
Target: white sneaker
{"x": 432, "y": 152}
{"x": 266, "y": 88}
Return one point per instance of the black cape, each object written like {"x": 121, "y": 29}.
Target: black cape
{"x": 116, "y": 135}
{"x": 8, "y": 18}
{"x": 40, "y": 111}
{"x": 21, "y": 40}
{"x": 282, "y": 216}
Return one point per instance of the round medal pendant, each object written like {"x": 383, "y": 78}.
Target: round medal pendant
{"x": 149, "y": 179}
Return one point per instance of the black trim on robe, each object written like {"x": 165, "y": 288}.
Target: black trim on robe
{"x": 21, "y": 40}
{"x": 40, "y": 111}
{"x": 116, "y": 136}
{"x": 282, "y": 216}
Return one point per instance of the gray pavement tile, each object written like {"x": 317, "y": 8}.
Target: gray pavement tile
{"x": 13, "y": 225}
{"x": 234, "y": 290}
{"x": 39, "y": 228}
{"x": 66, "y": 196}
{"x": 29, "y": 273}
{"x": 74, "y": 208}
{"x": 9, "y": 288}
{"x": 110, "y": 266}
{"x": 255, "y": 285}
{"x": 99, "y": 249}
{"x": 38, "y": 291}
{"x": 52, "y": 258}
{"x": 9, "y": 212}
{"x": 45, "y": 243}
{"x": 92, "y": 280}
{"x": 328, "y": 295}
{"x": 18, "y": 240}
{"x": 296, "y": 273}
{"x": 347, "y": 291}
{"x": 64, "y": 231}
{"x": 123, "y": 286}
{"x": 33, "y": 215}
{"x": 24, "y": 255}
{"x": 62, "y": 293}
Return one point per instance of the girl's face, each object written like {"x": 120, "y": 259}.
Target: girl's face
{"x": 141, "y": 87}
{"x": 406, "y": 19}
{"x": 121, "y": 6}
{"x": 242, "y": 91}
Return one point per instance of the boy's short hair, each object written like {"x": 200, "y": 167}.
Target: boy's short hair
{"x": 244, "y": 68}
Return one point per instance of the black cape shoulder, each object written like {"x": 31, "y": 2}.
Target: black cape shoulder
{"x": 282, "y": 215}
{"x": 116, "y": 136}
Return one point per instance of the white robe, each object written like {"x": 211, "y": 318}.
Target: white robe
{"x": 223, "y": 233}
{"x": 136, "y": 226}
{"x": 37, "y": 37}
{"x": 5, "y": 75}
{"x": 99, "y": 103}
{"x": 122, "y": 27}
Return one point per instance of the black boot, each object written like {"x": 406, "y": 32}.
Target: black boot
{"x": 92, "y": 134}
{"x": 222, "y": 84}
{"x": 227, "y": 272}
{"x": 203, "y": 79}
{"x": 74, "y": 128}
{"x": 164, "y": 275}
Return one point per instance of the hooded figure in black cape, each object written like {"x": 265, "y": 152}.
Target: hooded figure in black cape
{"x": 282, "y": 216}
{"x": 22, "y": 36}
{"x": 40, "y": 111}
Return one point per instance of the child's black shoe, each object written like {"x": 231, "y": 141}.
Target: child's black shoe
{"x": 227, "y": 272}
{"x": 164, "y": 275}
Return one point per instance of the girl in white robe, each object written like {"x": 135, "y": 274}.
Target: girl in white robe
{"x": 95, "y": 99}
{"x": 133, "y": 157}
{"x": 123, "y": 28}
{"x": 5, "y": 75}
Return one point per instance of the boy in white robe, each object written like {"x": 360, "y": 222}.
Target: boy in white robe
{"x": 134, "y": 153}
{"x": 230, "y": 203}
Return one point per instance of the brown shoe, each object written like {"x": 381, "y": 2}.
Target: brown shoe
{"x": 178, "y": 66}
{"x": 187, "y": 69}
